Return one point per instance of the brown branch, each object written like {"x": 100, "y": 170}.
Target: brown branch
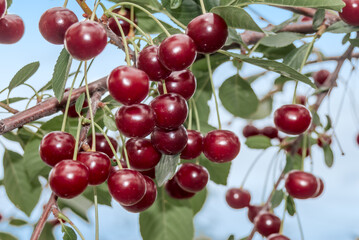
{"x": 334, "y": 58}
{"x": 85, "y": 8}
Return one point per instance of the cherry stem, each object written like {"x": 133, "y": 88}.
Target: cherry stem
{"x": 125, "y": 151}
{"x": 60, "y": 215}
{"x": 164, "y": 87}
{"x": 196, "y": 114}
{"x": 96, "y": 213}
{"x": 304, "y": 150}
{"x": 88, "y": 69}
{"x": 190, "y": 116}
{"x": 284, "y": 213}
{"x": 77, "y": 138}
{"x": 128, "y": 60}
{"x": 173, "y": 19}
{"x": 93, "y": 15}
{"x": 251, "y": 167}
{"x": 90, "y": 109}
{"x": 299, "y": 224}
{"x": 267, "y": 175}
{"x": 65, "y": 3}
{"x": 203, "y": 7}
{"x": 132, "y": 17}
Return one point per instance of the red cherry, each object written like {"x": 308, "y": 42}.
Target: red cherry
{"x": 175, "y": 191}
{"x": 149, "y": 173}
{"x": 292, "y": 119}
{"x": 277, "y": 236}
{"x": 148, "y": 199}
{"x": 270, "y": 132}
{"x": 323, "y": 140}
{"x": 301, "y": 184}
{"x": 321, "y": 77}
{"x": 148, "y": 62}
{"x": 349, "y": 13}
{"x": 3, "y": 7}
{"x": 358, "y": 139}
{"x": 306, "y": 19}
{"x": 267, "y": 223}
{"x": 102, "y": 144}
{"x": 57, "y": 146}
{"x": 127, "y": 186}
{"x": 194, "y": 145}
{"x": 12, "y": 29}
{"x": 250, "y": 130}
{"x": 124, "y": 24}
{"x": 99, "y": 166}
{"x": 221, "y": 146}
{"x": 54, "y": 23}
{"x": 72, "y": 109}
{"x": 170, "y": 110}
{"x": 320, "y": 188}
{"x": 238, "y": 198}
{"x": 300, "y": 99}
{"x": 177, "y": 52}
{"x": 128, "y": 85}
{"x": 137, "y": 120}
{"x": 169, "y": 142}
{"x": 192, "y": 177}
{"x": 85, "y": 40}
{"x": 69, "y": 178}
{"x": 209, "y": 32}
{"x": 182, "y": 82}
{"x": 253, "y": 211}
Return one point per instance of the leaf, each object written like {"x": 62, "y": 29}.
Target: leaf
{"x": 175, "y": 4}
{"x": 54, "y": 124}
{"x": 281, "y": 39}
{"x": 264, "y": 109}
{"x": 197, "y": 201}
{"x": 341, "y": 27}
{"x": 150, "y": 4}
{"x": 329, "y": 123}
{"x": 166, "y": 168}
{"x": 292, "y": 162}
{"x": 296, "y": 57}
{"x": 354, "y": 42}
{"x": 275, "y": 53}
{"x": 318, "y": 18}
{"x": 235, "y": 37}
{"x": 103, "y": 195}
{"x": 218, "y": 172}
{"x": 258, "y": 142}
{"x": 23, "y": 74}
{"x": 9, "y": 2}
{"x": 17, "y": 222}
{"x": 290, "y": 206}
{"x": 47, "y": 233}
{"x": 79, "y": 205}
{"x": 188, "y": 10}
{"x": 7, "y": 236}
{"x": 148, "y": 25}
{"x": 13, "y": 100}
{"x": 109, "y": 122}
{"x": 80, "y": 103}
{"x": 277, "y": 198}
{"x": 157, "y": 40}
{"x": 69, "y": 233}
{"x": 60, "y": 75}
{"x": 231, "y": 237}
{"x": 328, "y": 155}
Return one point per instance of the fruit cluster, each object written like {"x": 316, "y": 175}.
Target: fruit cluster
{"x": 12, "y": 26}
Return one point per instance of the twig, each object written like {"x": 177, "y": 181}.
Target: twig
{"x": 334, "y": 58}
{"x": 8, "y": 108}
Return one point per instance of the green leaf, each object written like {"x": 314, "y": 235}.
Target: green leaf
{"x": 148, "y": 25}
{"x": 149, "y": 4}
{"x": 175, "y": 4}
{"x": 264, "y": 109}
{"x": 79, "y": 205}
{"x": 17, "y": 222}
{"x": 47, "y": 233}
{"x": 166, "y": 168}
{"x": 290, "y": 206}
{"x": 60, "y": 75}
{"x": 318, "y": 18}
{"x": 341, "y": 27}
{"x": 103, "y": 195}
{"x": 328, "y": 155}
{"x": 197, "y": 201}
{"x": 54, "y": 124}
{"x": 188, "y": 10}
{"x": 354, "y": 42}
{"x": 109, "y": 122}
{"x": 281, "y": 39}
{"x": 69, "y": 233}
{"x": 231, "y": 237}
{"x": 275, "y": 53}
{"x": 160, "y": 37}
{"x": 9, "y": 2}
{"x": 293, "y": 162}
{"x": 23, "y": 74}
{"x": 258, "y": 142}
{"x": 235, "y": 37}
{"x": 79, "y": 103}
{"x": 13, "y": 100}
{"x": 296, "y": 57}
{"x": 329, "y": 123}
{"x": 277, "y": 198}
{"x": 236, "y": 17}
{"x": 218, "y": 172}
{"x": 7, "y": 236}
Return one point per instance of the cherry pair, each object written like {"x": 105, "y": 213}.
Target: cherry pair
{"x": 250, "y": 130}
{"x": 303, "y": 185}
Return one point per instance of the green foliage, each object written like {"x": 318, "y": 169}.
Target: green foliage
{"x": 293, "y": 162}
{"x": 109, "y": 122}
{"x": 175, "y": 4}
{"x": 47, "y": 233}
{"x": 218, "y": 172}
{"x": 79, "y": 205}
{"x": 79, "y": 103}
{"x": 264, "y": 109}
{"x": 258, "y": 142}
{"x": 103, "y": 195}
{"x": 23, "y": 75}
{"x": 148, "y": 25}
{"x": 290, "y": 206}
{"x": 166, "y": 168}
{"x": 17, "y": 222}
{"x": 281, "y": 39}
{"x": 7, "y": 236}
{"x": 341, "y": 27}
{"x": 9, "y": 2}
{"x": 328, "y": 155}
{"x": 69, "y": 233}
{"x": 277, "y": 198}
{"x": 318, "y": 18}
{"x": 188, "y": 10}
{"x": 60, "y": 74}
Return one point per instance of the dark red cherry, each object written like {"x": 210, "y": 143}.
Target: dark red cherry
{"x": 85, "y": 40}
{"x": 194, "y": 145}
{"x": 69, "y": 178}
{"x": 250, "y": 130}
{"x": 267, "y": 223}
{"x": 177, "y": 52}
{"x": 127, "y": 186}
{"x": 253, "y": 211}
{"x": 270, "y": 132}
{"x": 192, "y": 177}
{"x": 301, "y": 184}
{"x": 238, "y": 198}
{"x": 3, "y": 7}
{"x": 12, "y": 29}
{"x": 175, "y": 191}
{"x": 321, "y": 77}
{"x": 323, "y": 140}
{"x": 141, "y": 154}
{"x": 148, "y": 199}
{"x": 99, "y": 165}
{"x": 55, "y": 22}
{"x": 170, "y": 110}
{"x": 72, "y": 109}
{"x": 306, "y": 19}
{"x": 358, "y": 139}
{"x": 320, "y": 188}
{"x": 128, "y": 85}
{"x": 300, "y": 99}
{"x": 57, "y": 146}
{"x": 148, "y": 62}
{"x": 126, "y": 26}
{"x": 277, "y": 236}
{"x": 292, "y": 119}
{"x": 182, "y": 82}
{"x": 349, "y": 13}
{"x": 209, "y": 32}
{"x": 169, "y": 142}
{"x": 221, "y": 146}
{"x": 102, "y": 144}
{"x": 136, "y": 120}
{"x": 149, "y": 173}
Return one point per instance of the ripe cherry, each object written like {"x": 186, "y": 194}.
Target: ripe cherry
{"x": 57, "y": 146}
{"x": 149, "y": 173}
{"x": 102, "y": 144}
{"x": 182, "y": 82}
{"x": 321, "y": 77}
{"x": 194, "y": 145}
{"x": 320, "y": 188}
{"x": 69, "y": 178}
{"x": 250, "y": 130}
{"x": 358, "y": 139}
{"x": 99, "y": 166}
{"x": 324, "y": 140}
{"x": 292, "y": 119}
{"x": 253, "y": 211}
{"x": 148, "y": 199}
{"x": 175, "y": 191}
{"x": 85, "y": 40}
{"x": 137, "y": 120}
{"x": 170, "y": 110}
{"x": 300, "y": 99}
{"x": 267, "y": 223}
{"x": 169, "y": 142}
{"x": 55, "y": 22}
{"x": 177, "y": 52}
{"x": 238, "y": 198}
{"x": 127, "y": 186}
{"x": 301, "y": 184}
{"x": 72, "y": 109}
{"x": 349, "y": 13}
{"x": 270, "y": 132}
{"x": 124, "y": 24}
{"x": 128, "y": 85}
{"x": 209, "y": 32}
{"x": 12, "y": 29}
{"x": 221, "y": 146}
{"x": 306, "y": 19}
{"x": 3, "y": 7}
{"x": 192, "y": 177}
{"x": 277, "y": 236}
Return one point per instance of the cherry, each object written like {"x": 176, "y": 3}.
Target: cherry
{"x": 253, "y": 211}
{"x": 324, "y": 140}
{"x": 277, "y": 236}
{"x": 238, "y": 198}
{"x": 320, "y": 188}
{"x": 358, "y": 139}
{"x": 99, "y": 165}
{"x": 292, "y": 119}
{"x": 250, "y": 130}
{"x": 124, "y": 24}
{"x": 306, "y": 19}
{"x": 149, "y": 173}
{"x": 221, "y": 146}
{"x": 169, "y": 142}
{"x": 177, "y": 52}
{"x": 148, "y": 62}
{"x": 175, "y": 191}
{"x": 321, "y": 77}
{"x": 127, "y": 186}
{"x": 72, "y": 109}
{"x": 128, "y": 85}
{"x": 300, "y": 99}
{"x": 137, "y": 120}
{"x": 54, "y": 23}
{"x": 192, "y": 177}
{"x": 85, "y": 40}
{"x": 148, "y": 199}
{"x": 182, "y": 82}
{"x": 12, "y": 29}
{"x": 102, "y": 144}
{"x": 349, "y": 13}
{"x": 301, "y": 184}
{"x": 69, "y": 178}
{"x": 270, "y": 132}
{"x": 57, "y": 146}
{"x": 194, "y": 145}
{"x": 267, "y": 223}
{"x": 3, "y": 7}
{"x": 209, "y": 32}
{"x": 170, "y": 110}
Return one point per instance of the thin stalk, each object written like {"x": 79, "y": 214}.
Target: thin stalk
{"x": 125, "y": 151}
{"x": 283, "y": 218}
{"x": 203, "y": 7}
{"x": 88, "y": 69}
{"x": 190, "y": 116}
{"x": 196, "y": 114}
{"x": 181, "y": 25}
{"x": 128, "y": 60}
{"x": 91, "y": 111}
{"x": 77, "y": 139}
{"x": 97, "y": 231}
{"x": 93, "y": 15}
{"x": 66, "y": 219}
{"x": 300, "y": 225}
{"x": 304, "y": 150}
{"x": 251, "y": 167}
{"x": 267, "y": 175}
{"x": 65, "y": 3}
{"x": 164, "y": 87}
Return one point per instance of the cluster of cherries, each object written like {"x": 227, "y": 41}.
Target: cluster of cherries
{"x": 12, "y": 27}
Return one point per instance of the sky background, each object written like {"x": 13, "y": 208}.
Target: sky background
{"x": 335, "y": 215}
